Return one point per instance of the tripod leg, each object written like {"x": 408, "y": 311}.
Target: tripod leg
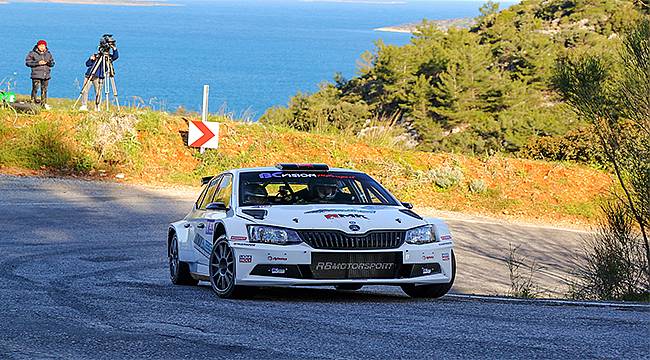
{"x": 87, "y": 81}
{"x": 107, "y": 84}
{"x": 83, "y": 89}
{"x": 99, "y": 87}
{"x": 117, "y": 100}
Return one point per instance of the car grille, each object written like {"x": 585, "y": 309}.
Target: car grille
{"x": 356, "y": 265}
{"x": 338, "y": 240}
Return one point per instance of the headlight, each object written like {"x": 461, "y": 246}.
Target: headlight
{"x": 422, "y": 235}
{"x": 272, "y": 235}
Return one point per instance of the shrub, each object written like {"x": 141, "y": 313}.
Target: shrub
{"x": 477, "y": 186}
{"x": 444, "y": 177}
{"x": 522, "y": 273}
{"x": 107, "y": 134}
{"x": 47, "y": 147}
{"x": 579, "y": 145}
{"x": 612, "y": 264}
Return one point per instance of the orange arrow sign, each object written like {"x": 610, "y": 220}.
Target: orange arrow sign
{"x": 207, "y": 134}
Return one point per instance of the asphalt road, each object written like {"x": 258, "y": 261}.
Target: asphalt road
{"x": 83, "y": 274}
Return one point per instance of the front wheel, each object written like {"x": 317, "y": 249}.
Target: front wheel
{"x": 432, "y": 291}
{"x": 179, "y": 271}
{"x": 223, "y": 270}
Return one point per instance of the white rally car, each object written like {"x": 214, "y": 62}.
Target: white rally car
{"x": 307, "y": 224}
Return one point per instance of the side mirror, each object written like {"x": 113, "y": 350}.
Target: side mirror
{"x": 407, "y": 205}
{"x": 216, "y": 206}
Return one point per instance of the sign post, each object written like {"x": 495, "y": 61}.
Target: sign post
{"x": 202, "y": 132}
{"x": 204, "y": 111}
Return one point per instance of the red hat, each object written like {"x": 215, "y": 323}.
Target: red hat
{"x": 41, "y": 42}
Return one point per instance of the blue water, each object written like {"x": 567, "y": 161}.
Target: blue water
{"x": 253, "y": 53}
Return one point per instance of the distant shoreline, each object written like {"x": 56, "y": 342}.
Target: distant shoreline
{"x": 444, "y": 25}
{"x": 95, "y": 2}
{"x": 369, "y": 2}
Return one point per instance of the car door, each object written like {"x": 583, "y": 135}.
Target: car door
{"x": 198, "y": 223}
{"x": 223, "y": 195}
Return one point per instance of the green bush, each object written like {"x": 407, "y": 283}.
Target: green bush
{"x": 611, "y": 265}
{"x": 579, "y": 145}
{"x": 477, "y": 186}
{"x": 444, "y": 177}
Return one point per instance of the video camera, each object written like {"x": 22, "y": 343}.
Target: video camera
{"x": 106, "y": 43}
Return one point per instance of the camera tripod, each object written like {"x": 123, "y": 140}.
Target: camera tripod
{"x": 108, "y": 83}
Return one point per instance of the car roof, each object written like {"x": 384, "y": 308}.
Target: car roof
{"x": 273, "y": 168}
{"x": 207, "y": 179}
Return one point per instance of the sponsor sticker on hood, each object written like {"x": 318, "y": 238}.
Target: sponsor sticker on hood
{"x": 342, "y": 216}
{"x": 338, "y": 211}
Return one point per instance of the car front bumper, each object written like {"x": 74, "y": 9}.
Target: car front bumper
{"x": 302, "y": 265}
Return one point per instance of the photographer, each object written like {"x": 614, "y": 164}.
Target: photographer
{"x": 107, "y": 48}
{"x": 40, "y": 60}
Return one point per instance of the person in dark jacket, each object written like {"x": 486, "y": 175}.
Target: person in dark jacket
{"x": 41, "y": 61}
{"x": 97, "y": 79}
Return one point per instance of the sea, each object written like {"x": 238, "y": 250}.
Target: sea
{"x": 253, "y": 54}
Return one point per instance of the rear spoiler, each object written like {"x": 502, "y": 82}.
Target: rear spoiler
{"x": 303, "y": 167}
{"x": 206, "y": 179}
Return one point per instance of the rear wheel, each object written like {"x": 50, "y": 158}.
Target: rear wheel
{"x": 179, "y": 271}
{"x": 349, "y": 287}
{"x": 432, "y": 291}
{"x": 223, "y": 270}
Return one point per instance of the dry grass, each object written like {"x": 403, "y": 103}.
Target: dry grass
{"x": 155, "y": 153}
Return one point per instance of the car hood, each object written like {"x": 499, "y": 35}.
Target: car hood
{"x": 335, "y": 217}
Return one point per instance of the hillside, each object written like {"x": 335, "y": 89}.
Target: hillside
{"x": 149, "y": 147}
{"x": 481, "y": 90}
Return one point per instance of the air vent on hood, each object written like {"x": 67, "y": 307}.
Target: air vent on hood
{"x": 411, "y": 213}
{"x": 259, "y": 214}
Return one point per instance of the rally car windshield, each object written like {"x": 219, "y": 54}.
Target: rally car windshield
{"x": 298, "y": 188}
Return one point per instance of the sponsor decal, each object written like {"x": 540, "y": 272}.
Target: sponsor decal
{"x": 204, "y": 246}
{"x": 276, "y": 258}
{"x": 246, "y": 259}
{"x": 278, "y": 270}
{"x": 445, "y": 256}
{"x": 428, "y": 257}
{"x": 327, "y": 265}
{"x": 444, "y": 243}
{"x": 358, "y": 211}
{"x": 280, "y": 175}
{"x": 354, "y": 227}
{"x": 332, "y": 176}
{"x": 238, "y": 238}
{"x": 341, "y": 216}
{"x": 244, "y": 244}
{"x": 210, "y": 229}
{"x": 426, "y": 271}
{"x": 445, "y": 237}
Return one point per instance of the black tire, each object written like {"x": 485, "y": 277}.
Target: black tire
{"x": 432, "y": 291}
{"x": 223, "y": 271}
{"x": 179, "y": 271}
{"x": 348, "y": 287}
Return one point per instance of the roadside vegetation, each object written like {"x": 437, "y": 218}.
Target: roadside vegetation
{"x": 150, "y": 147}
{"x": 481, "y": 90}
{"x": 613, "y": 95}
{"x": 522, "y": 272}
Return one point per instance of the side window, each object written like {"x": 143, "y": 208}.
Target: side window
{"x": 209, "y": 194}
{"x": 198, "y": 201}
{"x": 225, "y": 191}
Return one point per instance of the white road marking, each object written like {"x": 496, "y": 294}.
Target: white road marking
{"x": 551, "y": 301}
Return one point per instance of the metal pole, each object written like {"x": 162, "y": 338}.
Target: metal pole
{"x": 204, "y": 113}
